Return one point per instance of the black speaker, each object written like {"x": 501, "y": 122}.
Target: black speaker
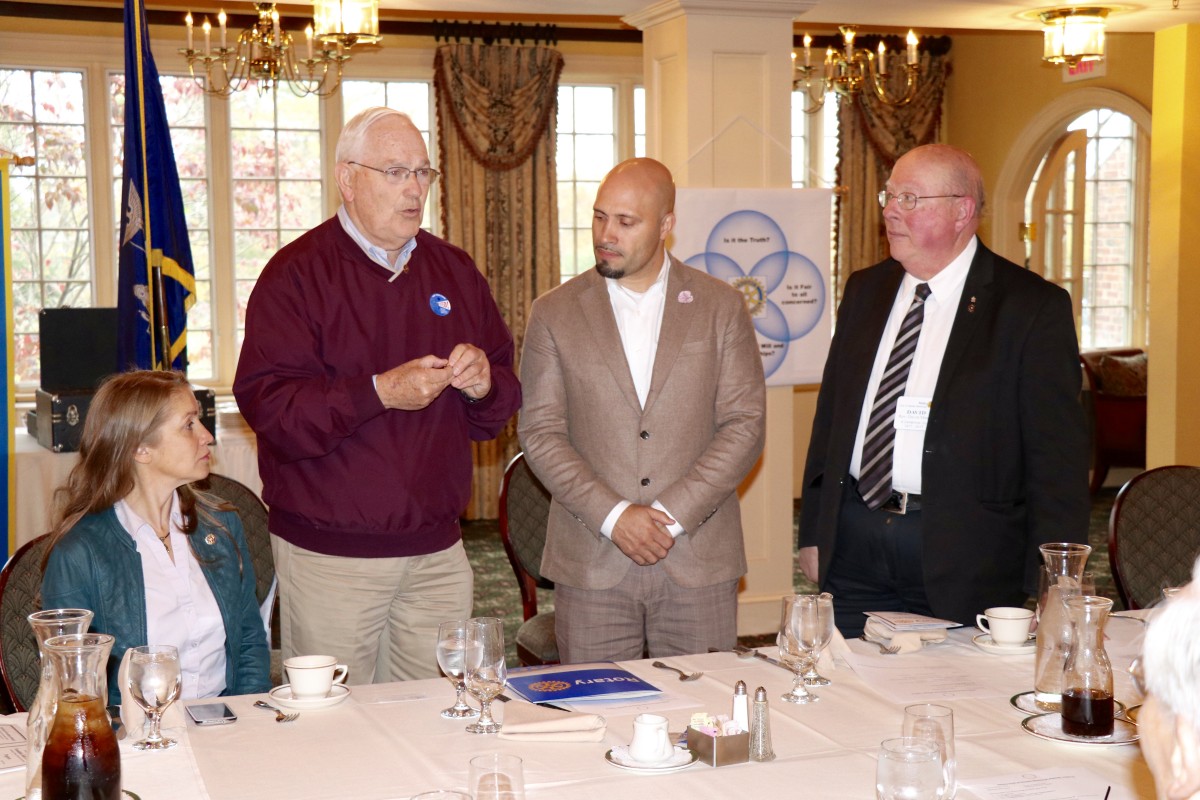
{"x": 78, "y": 347}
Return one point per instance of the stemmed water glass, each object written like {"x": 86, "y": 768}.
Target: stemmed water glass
{"x": 792, "y": 653}
{"x": 451, "y": 648}
{"x": 815, "y": 630}
{"x": 486, "y": 672}
{"x": 154, "y": 682}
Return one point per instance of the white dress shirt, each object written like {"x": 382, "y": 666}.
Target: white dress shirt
{"x": 180, "y": 607}
{"x": 639, "y": 320}
{"x": 945, "y": 291}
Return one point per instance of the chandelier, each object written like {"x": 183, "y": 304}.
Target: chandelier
{"x": 1073, "y": 35}
{"x": 266, "y": 55}
{"x": 847, "y": 70}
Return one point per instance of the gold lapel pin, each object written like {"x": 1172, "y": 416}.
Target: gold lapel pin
{"x": 210, "y": 539}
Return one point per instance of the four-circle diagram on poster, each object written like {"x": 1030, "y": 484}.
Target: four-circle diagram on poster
{"x": 784, "y": 290}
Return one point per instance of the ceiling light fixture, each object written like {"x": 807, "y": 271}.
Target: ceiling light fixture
{"x": 266, "y": 56}
{"x": 846, "y": 71}
{"x": 1073, "y": 35}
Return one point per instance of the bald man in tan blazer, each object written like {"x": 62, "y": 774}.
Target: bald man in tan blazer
{"x": 643, "y": 411}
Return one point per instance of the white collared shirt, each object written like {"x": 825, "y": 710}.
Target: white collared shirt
{"x": 639, "y": 321}
{"x": 373, "y": 251}
{"x": 945, "y": 291}
{"x": 180, "y": 607}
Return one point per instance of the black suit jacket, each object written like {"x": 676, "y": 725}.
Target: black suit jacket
{"x": 1005, "y": 462}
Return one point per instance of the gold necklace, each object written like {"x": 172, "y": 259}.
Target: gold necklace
{"x": 165, "y": 539}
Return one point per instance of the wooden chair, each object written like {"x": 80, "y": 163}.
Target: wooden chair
{"x": 1154, "y": 533}
{"x": 1118, "y": 413}
{"x": 524, "y": 509}
{"x": 20, "y": 591}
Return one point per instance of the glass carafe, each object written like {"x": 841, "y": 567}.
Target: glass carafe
{"x": 45, "y": 624}
{"x": 81, "y": 759}
{"x": 1087, "y": 683}
{"x": 1060, "y": 578}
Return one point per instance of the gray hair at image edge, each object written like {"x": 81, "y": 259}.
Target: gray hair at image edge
{"x": 350, "y": 142}
{"x": 1171, "y": 652}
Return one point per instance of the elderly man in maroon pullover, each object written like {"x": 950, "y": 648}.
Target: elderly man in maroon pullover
{"x": 374, "y": 355}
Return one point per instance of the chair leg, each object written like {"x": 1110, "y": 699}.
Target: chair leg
{"x": 1099, "y": 473}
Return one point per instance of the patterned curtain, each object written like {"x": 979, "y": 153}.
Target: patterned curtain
{"x": 871, "y": 136}
{"x": 496, "y": 107}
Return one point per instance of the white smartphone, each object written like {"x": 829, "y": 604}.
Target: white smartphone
{"x": 211, "y": 714}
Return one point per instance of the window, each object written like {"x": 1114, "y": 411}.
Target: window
{"x": 42, "y": 114}
{"x": 814, "y": 142}
{"x": 187, "y": 118}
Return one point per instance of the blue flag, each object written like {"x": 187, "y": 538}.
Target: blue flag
{"x": 153, "y": 229}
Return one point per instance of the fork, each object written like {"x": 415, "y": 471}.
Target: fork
{"x": 884, "y": 649}
{"x": 280, "y": 714}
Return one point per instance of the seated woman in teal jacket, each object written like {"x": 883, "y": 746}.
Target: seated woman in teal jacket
{"x": 156, "y": 560}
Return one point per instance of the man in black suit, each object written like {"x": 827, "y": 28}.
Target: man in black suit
{"x": 933, "y": 495}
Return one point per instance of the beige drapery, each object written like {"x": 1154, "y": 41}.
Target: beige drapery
{"x": 871, "y": 136}
{"x": 496, "y": 107}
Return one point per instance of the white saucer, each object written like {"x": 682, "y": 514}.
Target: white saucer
{"x": 1025, "y": 702}
{"x": 1049, "y": 726}
{"x": 619, "y": 758}
{"x": 282, "y": 695}
{"x": 984, "y": 642}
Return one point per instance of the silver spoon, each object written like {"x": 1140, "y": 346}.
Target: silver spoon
{"x": 683, "y": 676}
{"x": 280, "y": 714}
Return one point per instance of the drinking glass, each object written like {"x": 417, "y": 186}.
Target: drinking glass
{"x": 793, "y": 654}
{"x": 452, "y": 643}
{"x": 496, "y": 776}
{"x": 909, "y": 769}
{"x": 486, "y": 672}
{"x": 154, "y": 682}
{"x": 935, "y": 723}
{"x": 815, "y": 630}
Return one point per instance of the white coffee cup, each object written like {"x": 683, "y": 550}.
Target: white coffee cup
{"x": 651, "y": 743}
{"x": 312, "y": 677}
{"x": 1006, "y": 625}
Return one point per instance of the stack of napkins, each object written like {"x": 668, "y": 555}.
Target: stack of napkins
{"x": 526, "y": 722}
{"x": 909, "y": 632}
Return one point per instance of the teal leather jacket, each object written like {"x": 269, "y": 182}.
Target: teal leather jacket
{"x": 96, "y": 565}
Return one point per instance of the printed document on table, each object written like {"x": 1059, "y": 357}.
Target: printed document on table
{"x": 12, "y": 747}
{"x": 1060, "y": 783}
{"x": 917, "y": 678}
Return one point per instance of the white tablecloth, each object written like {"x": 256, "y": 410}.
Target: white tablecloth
{"x": 40, "y": 471}
{"x": 388, "y": 741}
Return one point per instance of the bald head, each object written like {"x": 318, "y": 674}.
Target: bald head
{"x": 953, "y": 167}
{"x": 633, "y": 213}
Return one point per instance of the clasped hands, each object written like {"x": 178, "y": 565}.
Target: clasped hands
{"x": 415, "y": 384}
{"x": 641, "y": 533}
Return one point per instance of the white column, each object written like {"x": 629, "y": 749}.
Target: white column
{"x": 718, "y": 81}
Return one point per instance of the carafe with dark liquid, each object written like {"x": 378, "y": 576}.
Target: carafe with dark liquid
{"x": 1087, "y": 696}
{"x": 81, "y": 760}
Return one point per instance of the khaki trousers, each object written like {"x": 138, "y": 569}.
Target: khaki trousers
{"x": 378, "y": 616}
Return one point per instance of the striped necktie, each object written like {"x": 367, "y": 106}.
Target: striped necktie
{"x": 875, "y": 472}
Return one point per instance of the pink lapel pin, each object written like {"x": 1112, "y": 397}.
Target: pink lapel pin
{"x": 685, "y": 296}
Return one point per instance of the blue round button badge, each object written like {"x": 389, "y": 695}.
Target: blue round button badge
{"x": 439, "y": 304}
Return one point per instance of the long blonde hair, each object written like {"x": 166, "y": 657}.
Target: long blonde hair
{"x": 127, "y": 412}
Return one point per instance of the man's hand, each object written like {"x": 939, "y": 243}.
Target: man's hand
{"x": 471, "y": 370}
{"x": 641, "y": 533}
{"x": 414, "y": 384}
{"x": 809, "y": 561}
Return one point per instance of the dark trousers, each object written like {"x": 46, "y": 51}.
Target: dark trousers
{"x": 876, "y": 564}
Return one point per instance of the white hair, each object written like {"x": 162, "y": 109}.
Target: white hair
{"x": 354, "y": 134}
{"x": 1171, "y": 652}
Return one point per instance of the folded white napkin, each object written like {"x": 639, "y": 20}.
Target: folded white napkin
{"x": 837, "y": 649}
{"x": 526, "y": 722}
{"x": 907, "y": 641}
{"x": 132, "y": 716}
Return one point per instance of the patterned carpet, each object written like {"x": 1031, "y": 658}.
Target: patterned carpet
{"x": 496, "y": 592}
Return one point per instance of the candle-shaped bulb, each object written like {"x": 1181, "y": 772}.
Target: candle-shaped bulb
{"x": 221, "y": 19}
{"x": 807, "y": 50}
{"x": 189, "y": 22}
{"x": 882, "y": 58}
{"x": 275, "y": 26}
{"x": 912, "y": 47}
{"x": 308, "y": 37}
{"x": 207, "y": 36}
{"x": 848, "y": 36}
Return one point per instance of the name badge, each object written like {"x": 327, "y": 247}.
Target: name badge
{"x": 912, "y": 413}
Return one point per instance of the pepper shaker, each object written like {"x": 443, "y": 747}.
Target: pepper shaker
{"x": 760, "y": 728}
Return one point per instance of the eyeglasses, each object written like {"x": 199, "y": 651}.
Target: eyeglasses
{"x": 1139, "y": 677}
{"x": 398, "y": 175}
{"x": 907, "y": 200}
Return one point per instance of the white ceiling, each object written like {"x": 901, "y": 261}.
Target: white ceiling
{"x": 1143, "y": 16}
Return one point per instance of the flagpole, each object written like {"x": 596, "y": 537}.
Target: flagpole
{"x": 155, "y": 307}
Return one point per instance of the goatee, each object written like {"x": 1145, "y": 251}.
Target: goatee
{"x": 608, "y": 272}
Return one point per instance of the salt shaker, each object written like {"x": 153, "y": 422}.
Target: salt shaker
{"x": 741, "y": 706}
{"x": 760, "y": 728}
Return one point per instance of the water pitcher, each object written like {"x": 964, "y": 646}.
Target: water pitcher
{"x": 45, "y": 624}
{"x": 81, "y": 759}
{"x": 1087, "y": 684}
{"x": 1060, "y": 579}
